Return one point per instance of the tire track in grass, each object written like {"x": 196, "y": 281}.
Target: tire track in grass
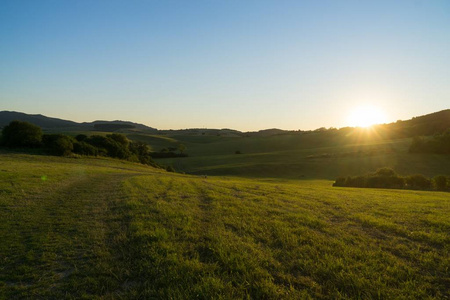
{"x": 63, "y": 243}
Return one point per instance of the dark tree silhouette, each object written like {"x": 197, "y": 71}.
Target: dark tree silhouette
{"x": 181, "y": 148}
{"x": 58, "y": 144}
{"x": 21, "y": 134}
{"x": 440, "y": 182}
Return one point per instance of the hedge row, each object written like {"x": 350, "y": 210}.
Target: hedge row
{"x": 389, "y": 179}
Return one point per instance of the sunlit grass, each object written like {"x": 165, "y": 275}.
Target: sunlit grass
{"x": 111, "y": 229}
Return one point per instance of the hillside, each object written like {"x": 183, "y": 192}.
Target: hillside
{"x": 103, "y": 228}
{"x": 55, "y": 124}
{"x": 320, "y": 154}
{"x": 421, "y": 125}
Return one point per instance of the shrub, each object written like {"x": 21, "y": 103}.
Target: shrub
{"x": 84, "y": 148}
{"x": 81, "y": 137}
{"x": 119, "y": 138}
{"x": 58, "y": 144}
{"x": 439, "y": 143}
{"x": 109, "y": 145}
{"x": 357, "y": 181}
{"x": 340, "y": 181}
{"x": 21, "y": 134}
{"x": 440, "y": 182}
{"x": 139, "y": 148}
{"x": 385, "y": 172}
{"x": 418, "y": 182}
{"x": 387, "y": 178}
{"x": 418, "y": 144}
{"x": 170, "y": 169}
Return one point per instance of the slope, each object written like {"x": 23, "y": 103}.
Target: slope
{"x": 101, "y": 228}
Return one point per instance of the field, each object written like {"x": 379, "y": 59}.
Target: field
{"x": 291, "y": 156}
{"x": 104, "y": 228}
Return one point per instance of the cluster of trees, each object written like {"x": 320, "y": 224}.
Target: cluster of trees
{"x": 389, "y": 179}
{"x": 439, "y": 143}
{"x": 170, "y": 152}
{"x": 24, "y": 134}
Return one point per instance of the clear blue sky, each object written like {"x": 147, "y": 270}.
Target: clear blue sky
{"x": 245, "y": 65}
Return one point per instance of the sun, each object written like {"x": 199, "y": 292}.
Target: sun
{"x": 366, "y": 116}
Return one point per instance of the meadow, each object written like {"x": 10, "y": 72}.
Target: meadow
{"x": 295, "y": 156}
{"x": 104, "y": 228}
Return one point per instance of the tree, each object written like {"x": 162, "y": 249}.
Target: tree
{"x": 84, "y": 148}
{"x": 81, "y": 137}
{"x": 139, "y": 148}
{"x": 418, "y": 144}
{"x": 440, "y": 182}
{"x": 418, "y": 181}
{"x": 385, "y": 172}
{"x": 109, "y": 144}
{"x": 21, "y": 134}
{"x": 58, "y": 144}
{"x": 120, "y": 138}
{"x": 181, "y": 148}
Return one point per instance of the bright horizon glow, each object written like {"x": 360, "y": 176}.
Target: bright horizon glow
{"x": 366, "y": 116}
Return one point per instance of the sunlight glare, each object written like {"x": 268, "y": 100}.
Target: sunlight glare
{"x": 365, "y": 116}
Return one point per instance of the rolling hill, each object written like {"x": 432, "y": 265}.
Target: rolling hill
{"x": 96, "y": 228}
{"x": 55, "y": 124}
{"x": 324, "y": 153}
{"x": 421, "y": 125}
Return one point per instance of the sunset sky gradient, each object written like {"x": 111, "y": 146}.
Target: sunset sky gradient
{"x": 245, "y": 65}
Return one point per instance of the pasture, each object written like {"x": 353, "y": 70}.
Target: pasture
{"x": 295, "y": 156}
{"x": 104, "y": 228}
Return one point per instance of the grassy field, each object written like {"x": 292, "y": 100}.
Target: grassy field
{"x": 296, "y": 156}
{"x": 103, "y": 228}
{"x": 291, "y": 156}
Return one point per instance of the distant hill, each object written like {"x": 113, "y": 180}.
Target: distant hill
{"x": 418, "y": 126}
{"x": 202, "y": 132}
{"x": 424, "y": 125}
{"x": 54, "y": 123}
{"x": 45, "y": 122}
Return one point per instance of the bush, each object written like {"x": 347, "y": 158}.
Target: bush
{"x": 84, "y": 148}
{"x": 81, "y": 137}
{"x": 440, "y": 143}
{"x": 418, "y": 182}
{"x": 170, "y": 169}
{"x": 109, "y": 146}
{"x": 440, "y": 182}
{"x": 340, "y": 181}
{"x": 385, "y": 172}
{"x": 358, "y": 181}
{"x": 21, "y": 134}
{"x": 139, "y": 148}
{"x": 119, "y": 138}
{"x": 58, "y": 144}
{"x": 387, "y": 178}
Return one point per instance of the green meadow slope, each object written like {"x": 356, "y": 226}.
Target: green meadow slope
{"x": 295, "y": 156}
{"x": 103, "y": 228}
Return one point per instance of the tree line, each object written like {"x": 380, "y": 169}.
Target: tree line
{"x": 116, "y": 145}
{"x": 387, "y": 178}
{"x": 439, "y": 143}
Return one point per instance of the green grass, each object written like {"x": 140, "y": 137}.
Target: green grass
{"x": 156, "y": 142}
{"x": 103, "y": 228}
{"x": 272, "y": 157}
{"x": 293, "y": 156}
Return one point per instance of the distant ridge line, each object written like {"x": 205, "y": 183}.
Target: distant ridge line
{"x": 422, "y": 125}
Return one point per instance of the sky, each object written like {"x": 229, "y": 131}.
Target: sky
{"x": 245, "y": 65}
